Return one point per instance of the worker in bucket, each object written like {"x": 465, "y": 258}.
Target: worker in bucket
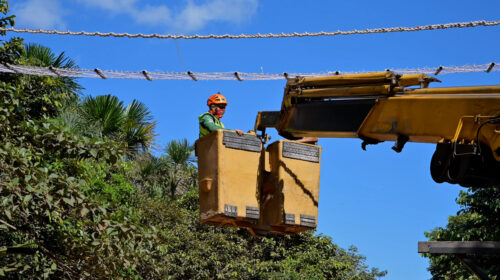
{"x": 210, "y": 120}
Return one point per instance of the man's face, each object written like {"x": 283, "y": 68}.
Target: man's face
{"x": 218, "y": 110}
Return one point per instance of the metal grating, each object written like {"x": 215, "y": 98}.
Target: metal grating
{"x": 245, "y": 142}
{"x": 301, "y": 152}
{"x": 252, "y": 212}
{"x": 307, "y": 221}
{"x": 230, "y": 210}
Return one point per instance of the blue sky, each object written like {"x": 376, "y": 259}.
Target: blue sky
{"x": 377, "y": 200}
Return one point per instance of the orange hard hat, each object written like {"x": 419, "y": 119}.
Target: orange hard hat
{"x": 216, "y": 99}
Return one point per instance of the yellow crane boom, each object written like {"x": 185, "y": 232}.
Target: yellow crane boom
{"x": 464, "y": 122}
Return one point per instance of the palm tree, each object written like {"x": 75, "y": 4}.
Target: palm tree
{"x": 64, "y": 90}
{"x": 179, "y": 152}
{"x": 179, "y": 155}
{"x": 38, "y": 55}
{"x": 151, "y": 174}
{"x": 104, "y": 112}
{"x": 138, "y": 127}
{"x": 106, "y": 116}
{"x": 169, "y": 175}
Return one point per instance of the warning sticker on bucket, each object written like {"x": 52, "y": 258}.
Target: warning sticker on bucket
{"x": 299, "y": 151}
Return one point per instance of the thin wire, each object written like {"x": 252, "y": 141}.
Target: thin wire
{"x": 258, "y": 35}
{"x": 109, "y": 74}
{"x": 179, "y": 54}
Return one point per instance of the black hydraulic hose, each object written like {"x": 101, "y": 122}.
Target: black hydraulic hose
{"x": 491, "y": 120}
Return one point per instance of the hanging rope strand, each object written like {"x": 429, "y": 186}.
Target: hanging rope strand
{"x": 108, "y": 74}
{"x": 260, "y": 36}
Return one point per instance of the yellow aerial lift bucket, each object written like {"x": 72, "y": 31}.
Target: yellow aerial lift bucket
{"x": 290, "y": 192}
{"x": 228, "y": 174}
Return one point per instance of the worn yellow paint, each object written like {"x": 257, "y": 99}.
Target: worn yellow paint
{"x": 266, "y": 180}
{"x": 226, "y": 176}
{"x": 340, "y": 80}
{"x": 426, "y": 118}
{"x": 342, "y": 91}
{"x": 431, "y": 116}
{"x": 414, "y": 80}
{"x": 292, "y": 187}
{"x": 489, "y": 134}
{"x": 428, "y": 115}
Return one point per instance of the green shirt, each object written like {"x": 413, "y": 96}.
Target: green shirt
{"x": 209, "y": 123}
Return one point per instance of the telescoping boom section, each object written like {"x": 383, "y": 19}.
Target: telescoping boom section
{"x": 463, "y": 122}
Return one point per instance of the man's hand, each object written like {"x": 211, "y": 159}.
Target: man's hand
{"x": 239, "y": 132}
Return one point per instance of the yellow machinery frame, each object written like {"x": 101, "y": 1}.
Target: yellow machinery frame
{"x": 384, "y": 106}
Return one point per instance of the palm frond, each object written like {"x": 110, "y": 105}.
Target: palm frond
{"x": 106, "y": 111}
{"x": 38, "y": 55}
{"x": 137, "y": 112}
{"x": 179, "y": 152}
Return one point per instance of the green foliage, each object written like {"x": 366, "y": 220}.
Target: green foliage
{"x": 101, "y": 184}
{"x": 46, "y": 94}
{"x": 478, "y": 220}
{"x": 106, "y": 112}
{"x": 106, "y": 116}
{"x": 37, "y": 55}
{"x": 10, "y": 51}
{"x": 170, "y": 175}
{"x": 48, "y": 226}
{"x": 76, "y": 205}
{"x": 179, "y": 152}
{"x": 41, "y": 198}
{"x": 139, "y": 127}
{"x": 7, "y": 20}
{"x": 71, "y": 208}
{"x": 190, "y": 250}
{"x": 181, "y": 172}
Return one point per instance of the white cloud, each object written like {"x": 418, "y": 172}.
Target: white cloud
{"x": 189, "y": 18}
{"x": 116, "y": 6}
{"x": 193, "y": 16}
{"x": 197, "y": 16}
{"x": 39, "y": 14}
{"x": 153, "y": 15}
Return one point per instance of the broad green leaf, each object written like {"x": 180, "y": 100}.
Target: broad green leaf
{"x": 93, "y": 152}
{"x": 27, "y": 198}
{"x": 8, "y": 214}
{"x": 69, "y": 201}
{"x": 84, "y": 211}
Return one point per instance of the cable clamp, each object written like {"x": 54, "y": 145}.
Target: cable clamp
{"x": 99, "y": 72}
{"x": 237, "y": 75}
{"x": 192, "y": 76}
{"x": 146, "y": 75}
{"x": 53, "y": 70}
{"x": 438, "y": 70}
{"x": 490, "y": 67}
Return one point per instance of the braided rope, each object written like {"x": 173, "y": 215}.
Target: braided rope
{"x": 258, "y": 35}
{"x": 239, "y": 76}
